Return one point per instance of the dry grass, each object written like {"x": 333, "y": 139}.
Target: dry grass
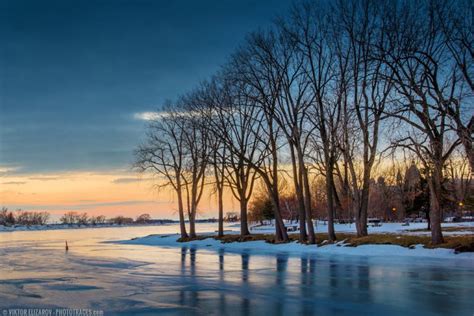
{"x": 451, "y": 242}
{"x": 199, "y": 237}
{"x": 459, "y": 243}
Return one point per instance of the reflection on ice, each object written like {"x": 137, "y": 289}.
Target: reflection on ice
{"x": 131, "y": 279}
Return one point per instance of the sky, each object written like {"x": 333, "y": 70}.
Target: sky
{"x": 75, "y": 80}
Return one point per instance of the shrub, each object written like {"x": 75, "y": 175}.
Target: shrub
{"x": 69, "y": 218}
{"x": 143, "y": 219}
{"x": 31, "y": 218}
{"x": 121, "y": 220}
{"x": 6, "y": 217}
{"x": 82, "y": 219}
{"x": 97, "y": 220}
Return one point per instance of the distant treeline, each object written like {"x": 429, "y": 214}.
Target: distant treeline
{"x": 21, "y": 217}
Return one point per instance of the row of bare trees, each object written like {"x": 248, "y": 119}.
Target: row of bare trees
{"x": 75, "y": 218}
{"x": 327, "y": 89}
{"x": 21, "y": 217}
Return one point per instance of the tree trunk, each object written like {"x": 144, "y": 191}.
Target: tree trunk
{"x": 244, "y": 228}
{"x": 280, "y": 229}
{"x": 309, "y": 220}
{"x": 434, "y": 184}
{"x": 220, "y": 231}
{"x": 356, "y": 210}
{"x": 192, "y": 225}
{"x": 194, "y": 205}
{"x": 282, "y": 234}
{"x": 363, "y": 205}
{"x": 299, "y": 195}
{"x": 182, "y": 225}
{"x": 337, "y": 201}
{"x": 428, "y": 220}
{"x": 363, "y": 213}
{"x": 330, "y": 202}
{"x": 363, "y": 221}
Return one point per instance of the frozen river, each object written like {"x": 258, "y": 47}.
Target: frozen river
{"x": 118, "y": 279}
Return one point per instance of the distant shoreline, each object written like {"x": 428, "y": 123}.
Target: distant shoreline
{"x": 59, "y": 226}
{"x": 17, "y": 228}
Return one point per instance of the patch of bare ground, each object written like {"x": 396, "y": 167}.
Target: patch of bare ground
{"x": 199, "y": 237}
{"x": 458, "y": 243}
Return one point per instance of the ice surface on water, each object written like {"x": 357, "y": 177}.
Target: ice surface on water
{"x": 36, "y": 272}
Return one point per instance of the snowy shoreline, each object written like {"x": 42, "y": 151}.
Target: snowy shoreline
{"x": 296, "y": 249}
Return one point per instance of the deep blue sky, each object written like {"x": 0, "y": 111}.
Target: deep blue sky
{"x": 73, "y": 73}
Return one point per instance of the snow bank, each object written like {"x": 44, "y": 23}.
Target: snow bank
{"x": 294, "y": 248}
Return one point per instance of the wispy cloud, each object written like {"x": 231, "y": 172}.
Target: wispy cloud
{"x": 151, "y": 116}
{"x": 148, "y": 116}
{"x": 114, "y": 203}
{"x": 7, "y": 170}
{"x": 127, "y": 180}
{"x": 14, "y": 182}
{"x": 44, "y": 178}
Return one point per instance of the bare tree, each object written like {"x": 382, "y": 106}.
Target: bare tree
{"x": 456, "y": 21}
{"x": 196, "y": 145}
{"x": 459, "y": 176}
{"x": 254, "y": 68}
{"x": 177, "y": 151}
{"x": 291, "y": 110}
{"x": 205, "y": 99}
{"x": 231, "y": 120}
{"x": 425, "y": 82}
{"x": 163, "y": 154}
{"x": 359, "y": 25}
{"x": 217, "y": 160}
{"x": 309, "y": 29}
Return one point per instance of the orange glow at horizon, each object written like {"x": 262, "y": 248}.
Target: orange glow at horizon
{"x": 108, "y": 194}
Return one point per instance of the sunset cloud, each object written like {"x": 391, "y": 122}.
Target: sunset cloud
{"x": 14, "y": 182}
{"x": 107, "y": 192}
{"x": 44, "y": 178}
{"x": 127, "y": 180}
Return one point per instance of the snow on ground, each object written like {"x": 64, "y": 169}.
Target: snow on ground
{"x": 294, "y": 248}
{"x": 320, "y": 227}
{"x": 398, "y": 228}
{"x": 261, "y": 247}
